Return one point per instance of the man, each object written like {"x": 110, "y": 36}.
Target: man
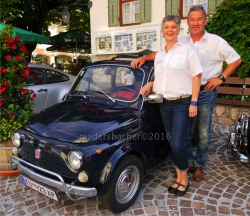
{"x": 129, "y": 78}
{"x": 213, "y": 50}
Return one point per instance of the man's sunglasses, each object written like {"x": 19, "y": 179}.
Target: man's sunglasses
{"x": 195, "y": 7}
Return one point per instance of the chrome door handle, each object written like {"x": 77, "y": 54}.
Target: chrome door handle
{"x": 41, "y": 90}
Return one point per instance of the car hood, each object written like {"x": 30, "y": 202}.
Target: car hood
{"x": 81, "y": 122}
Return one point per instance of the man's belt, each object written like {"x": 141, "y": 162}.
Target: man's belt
{"x": 178, "y": 98}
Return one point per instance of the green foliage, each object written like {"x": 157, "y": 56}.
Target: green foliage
{"x": 231, "y": 22}
{"x": 36, "y": 16}
{"x": 16, "y": 100}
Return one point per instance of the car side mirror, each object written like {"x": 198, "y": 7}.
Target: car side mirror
{"x": 154, "y": 98}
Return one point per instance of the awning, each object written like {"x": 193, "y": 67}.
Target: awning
{"x": 27, "y": 36}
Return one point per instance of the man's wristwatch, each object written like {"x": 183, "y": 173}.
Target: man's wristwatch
{"x": 222, "y": 77}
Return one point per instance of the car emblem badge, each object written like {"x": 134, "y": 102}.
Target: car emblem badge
{"x": 38, "y": 153}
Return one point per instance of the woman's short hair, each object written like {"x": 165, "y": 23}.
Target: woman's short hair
{"x": 171, "y": 17}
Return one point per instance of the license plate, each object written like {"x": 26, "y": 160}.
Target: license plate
{"x": 40, "y": 188}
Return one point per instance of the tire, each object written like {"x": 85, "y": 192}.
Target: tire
{"x": 116, "y": 201}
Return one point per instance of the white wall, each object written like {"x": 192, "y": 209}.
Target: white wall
{"x": 100, "y": 29}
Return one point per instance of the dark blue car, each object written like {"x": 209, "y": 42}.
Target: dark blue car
{"x": 100, "y": 141}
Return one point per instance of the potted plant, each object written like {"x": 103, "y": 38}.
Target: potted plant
{"x": 16, "y": 100}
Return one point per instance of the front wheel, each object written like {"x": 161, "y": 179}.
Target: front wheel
{"x": 125, "y": 185}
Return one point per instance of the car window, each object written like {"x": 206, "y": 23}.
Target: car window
{"x": 36, "y": 76}
{"x": 111, "y": 80}
{"x": 55, "y": 77}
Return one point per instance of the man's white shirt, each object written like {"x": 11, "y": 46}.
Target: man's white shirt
{"x": 213, "y": 51}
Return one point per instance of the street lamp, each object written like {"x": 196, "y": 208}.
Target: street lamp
{"x": 66, "y": 13}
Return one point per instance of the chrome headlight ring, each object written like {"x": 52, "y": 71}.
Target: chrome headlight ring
{"x": 75, "y": 159}
{"x": 17, "y": 139}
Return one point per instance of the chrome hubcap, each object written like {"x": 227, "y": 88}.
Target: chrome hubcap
{"x": 127, "y": 184}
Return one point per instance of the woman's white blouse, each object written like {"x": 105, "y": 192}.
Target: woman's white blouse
{"x": 175, "y": 69}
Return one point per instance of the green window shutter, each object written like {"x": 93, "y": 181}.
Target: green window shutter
{"x": 172, "y": 7}
{"x": 212, "y": 5}
{"x": 145, "y": 11}
{"x": 113, "y": 13}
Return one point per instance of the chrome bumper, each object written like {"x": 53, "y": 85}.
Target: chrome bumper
{"x": 77, "y": 191}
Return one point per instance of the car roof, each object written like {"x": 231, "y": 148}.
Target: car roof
{"x": 48, "y": 67}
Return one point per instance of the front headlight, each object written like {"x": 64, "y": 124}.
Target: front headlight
{"x": 75, "y": 159}
{"x": 16, "y": 139}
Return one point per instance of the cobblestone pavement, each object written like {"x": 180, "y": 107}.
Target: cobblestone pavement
{"x": 224, "y": 191}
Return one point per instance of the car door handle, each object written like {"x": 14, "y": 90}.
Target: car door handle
{"x": 41, "y": 90}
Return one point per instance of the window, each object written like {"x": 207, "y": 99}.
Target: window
{"x": 130, "y": 12}
{"x": 54, "y": 77}
{"x": 36, "y": 76}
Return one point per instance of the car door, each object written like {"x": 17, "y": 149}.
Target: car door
{"x": 36, "y": 82}
{"x": 156, "y": 130}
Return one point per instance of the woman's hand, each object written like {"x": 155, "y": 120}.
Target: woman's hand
{"x": 192, "y": 111}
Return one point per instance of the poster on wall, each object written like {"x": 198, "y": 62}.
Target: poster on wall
{"x": 146, "y": 40}
{"x": 124, "y": 42}
{"x": 103, "y": 42}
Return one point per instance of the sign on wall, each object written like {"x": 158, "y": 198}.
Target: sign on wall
{"x": 146, "y": 39}
{"x": 124, "y": 42}
{"x": 103, "y": 42}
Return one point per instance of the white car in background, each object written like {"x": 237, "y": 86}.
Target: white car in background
{"x": 49, "y": 84}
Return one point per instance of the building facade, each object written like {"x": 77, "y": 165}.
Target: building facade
{"x": 130, "y": 26}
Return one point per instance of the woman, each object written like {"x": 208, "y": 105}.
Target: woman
{"x": 177, "y": 78}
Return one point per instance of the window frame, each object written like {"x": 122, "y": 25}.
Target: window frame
{"x": 121, "y": 2}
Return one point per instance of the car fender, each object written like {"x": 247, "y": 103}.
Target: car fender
{"x": 110, "y": 165}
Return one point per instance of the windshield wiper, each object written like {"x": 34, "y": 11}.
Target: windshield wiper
{"x": 79, "y": 93}
{"x": 102, "y": 92}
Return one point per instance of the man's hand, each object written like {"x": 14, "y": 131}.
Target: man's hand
{"x": 137, "y": 63}
{"x": 147, "y": 89}
{"x": 213, "y": 83}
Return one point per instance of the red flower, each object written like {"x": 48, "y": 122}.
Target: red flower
{"x": 19, "y": 58}
{"x": 32, "y": 76}
{"x": 15, "y": 69}
{"x": 3, "y": 70}
{"x": 16, "y": 39}
{"x": 12, "y": 115}
{"x": 13, "y": 46}
{"x": 33, "y": 97}
{"x": 25, "y": 73}
{"x": 1, "y": 103}
{"x": 5, "y": 83}
{"x": 21, "y": 78}
{"x": 8, "y": 57}
{"x": 24, "y": 91}
{"x": 28, "y": 69}
{"x": 9, "y": 41}
{"x": 2, "y": 89}
{"x": 23, "y": 49}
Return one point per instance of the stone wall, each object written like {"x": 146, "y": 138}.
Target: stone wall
{"x": 225, "y": 114}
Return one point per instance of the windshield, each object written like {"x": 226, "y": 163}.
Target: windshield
{"x": 120, "y": 83}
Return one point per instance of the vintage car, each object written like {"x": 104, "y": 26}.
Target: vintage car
{"x": 239, "y": 140}
{"x": 100, "y": 141}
